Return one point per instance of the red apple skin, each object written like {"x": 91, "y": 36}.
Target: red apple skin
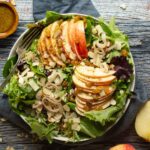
{"x": 80, "y": 39}
{"x": 123, "y": 147}
{"x": 72, "y": 37}
{"x": 67, "y": 48}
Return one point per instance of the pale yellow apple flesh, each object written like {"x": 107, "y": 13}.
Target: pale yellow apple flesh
{"x": 92, "y": 72}
{"x": 96, "y": 81}
{"x": 142, "y": 122}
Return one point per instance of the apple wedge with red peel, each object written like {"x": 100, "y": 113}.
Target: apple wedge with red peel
{"x": 123, "y": 147}
{"x": 72, "y": 37}
{"x": 96, "y": 81}
{"x": 92, "y": 72}
{"x": 80, "y": 39}
{"x": 65, "y": 41}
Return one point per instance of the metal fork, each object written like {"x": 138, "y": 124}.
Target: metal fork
{"x": 23, "y": 46}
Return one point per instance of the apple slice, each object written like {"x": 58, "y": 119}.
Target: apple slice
{"x": 86, "y": 106}
{"x": 81, "y": 113}
{"x": 72, "y": 37}
{"x": 80, "y": 39}
{"x": 91, "y": 89}
{"x": 40, "y": 50}
{"x": 55, "y": 35}
{"x": 96, "y": 81}
{"x": 92, "y": 72}
{"x": 92, "y": 97}
{"x": 123, "y": 147}
{"x": 81, "y": 105}
{"x": 57, "y": 60}
{"x": 65, "y": 40}
{"x": 92, "y": 103}
{"x": 80, "y": 110}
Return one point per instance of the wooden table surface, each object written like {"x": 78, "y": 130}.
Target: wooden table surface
{"x": 133, "y": 17}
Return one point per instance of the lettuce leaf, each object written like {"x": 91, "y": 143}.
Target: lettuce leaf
{"x": 33, "y": 46}
{"x": 90, "y": 128}
{"x": 9, "y": 65}
{"x": 16, "y": 93}
{"x": 110, "y": 114}
{"x": 71, "y": 105}
{"x": 111, "y": 55}
{"x": 42, "y": 129}
{"x": 104, "y": 116}
{"x": 52, "y": 16}
{"x": 39, "y": 70}
{"x": 113, "y": 33}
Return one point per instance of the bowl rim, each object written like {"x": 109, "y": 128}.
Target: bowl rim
{"x": 16, "y": 20}
{"x": 65, "y": 140}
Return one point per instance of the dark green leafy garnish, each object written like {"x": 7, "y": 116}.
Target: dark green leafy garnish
{"x": 68, "y": 83}
{"x": 9, "y": 65}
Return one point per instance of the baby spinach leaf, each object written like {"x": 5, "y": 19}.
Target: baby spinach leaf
{"x": 9, "y": 65}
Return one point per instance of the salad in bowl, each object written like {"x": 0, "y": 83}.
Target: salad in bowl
{"x": 73, "y": 83}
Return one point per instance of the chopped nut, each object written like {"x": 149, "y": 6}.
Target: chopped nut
{"x": 102, "y": 93}
{"x": 113, "y": 102}
{"x": 94, "y": 31}
{"x": 26, "y": 136}
{"x": 75, "y": 126}
{"x": 76, "y": 120}
{"x": 106, "y": 105}
{"x": 66, "y": 108}
{"x": 13, "y": 2}
{"x": 91, "y": 54}
{"x": 123, "y": 6}
{"x": 73, "y": 115}
{"x": 35, "y": 63}
{"x": 1, "y": 139}
{"x": 9, "y": 148}
{"x": 121, "y": 91}
{"x": 3, "y": 120}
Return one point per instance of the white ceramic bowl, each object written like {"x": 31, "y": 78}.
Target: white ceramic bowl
{"x": 64, "y": 139}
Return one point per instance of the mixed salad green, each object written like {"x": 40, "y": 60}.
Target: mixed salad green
{"x": 57, "y": 117}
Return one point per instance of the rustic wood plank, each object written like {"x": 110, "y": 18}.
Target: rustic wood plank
{"x": 136, "y": 10}
{"x": 135, "y": 22}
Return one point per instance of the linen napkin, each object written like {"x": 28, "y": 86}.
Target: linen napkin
{"x": 85, "y": 7}
{"x": 63, "y": 6}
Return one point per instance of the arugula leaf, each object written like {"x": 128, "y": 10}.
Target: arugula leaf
{"x": 105, "y": 27}
{"x": 112, "y": 54}
{"x": 113, "y": 32}
{"x": 71, "y": 105}
{"x": 68, "y": 71}
{"x": 9, "y": 65}
{"x": 88, "y": 32}
{"x": 37, "y": 69}
{"x": 42, "y": 129}
{"x": 28, "y": 102}
{"x": 103, "y": 116}
{"x": 33, "y": 46}
{"x": 52, "y": 16}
